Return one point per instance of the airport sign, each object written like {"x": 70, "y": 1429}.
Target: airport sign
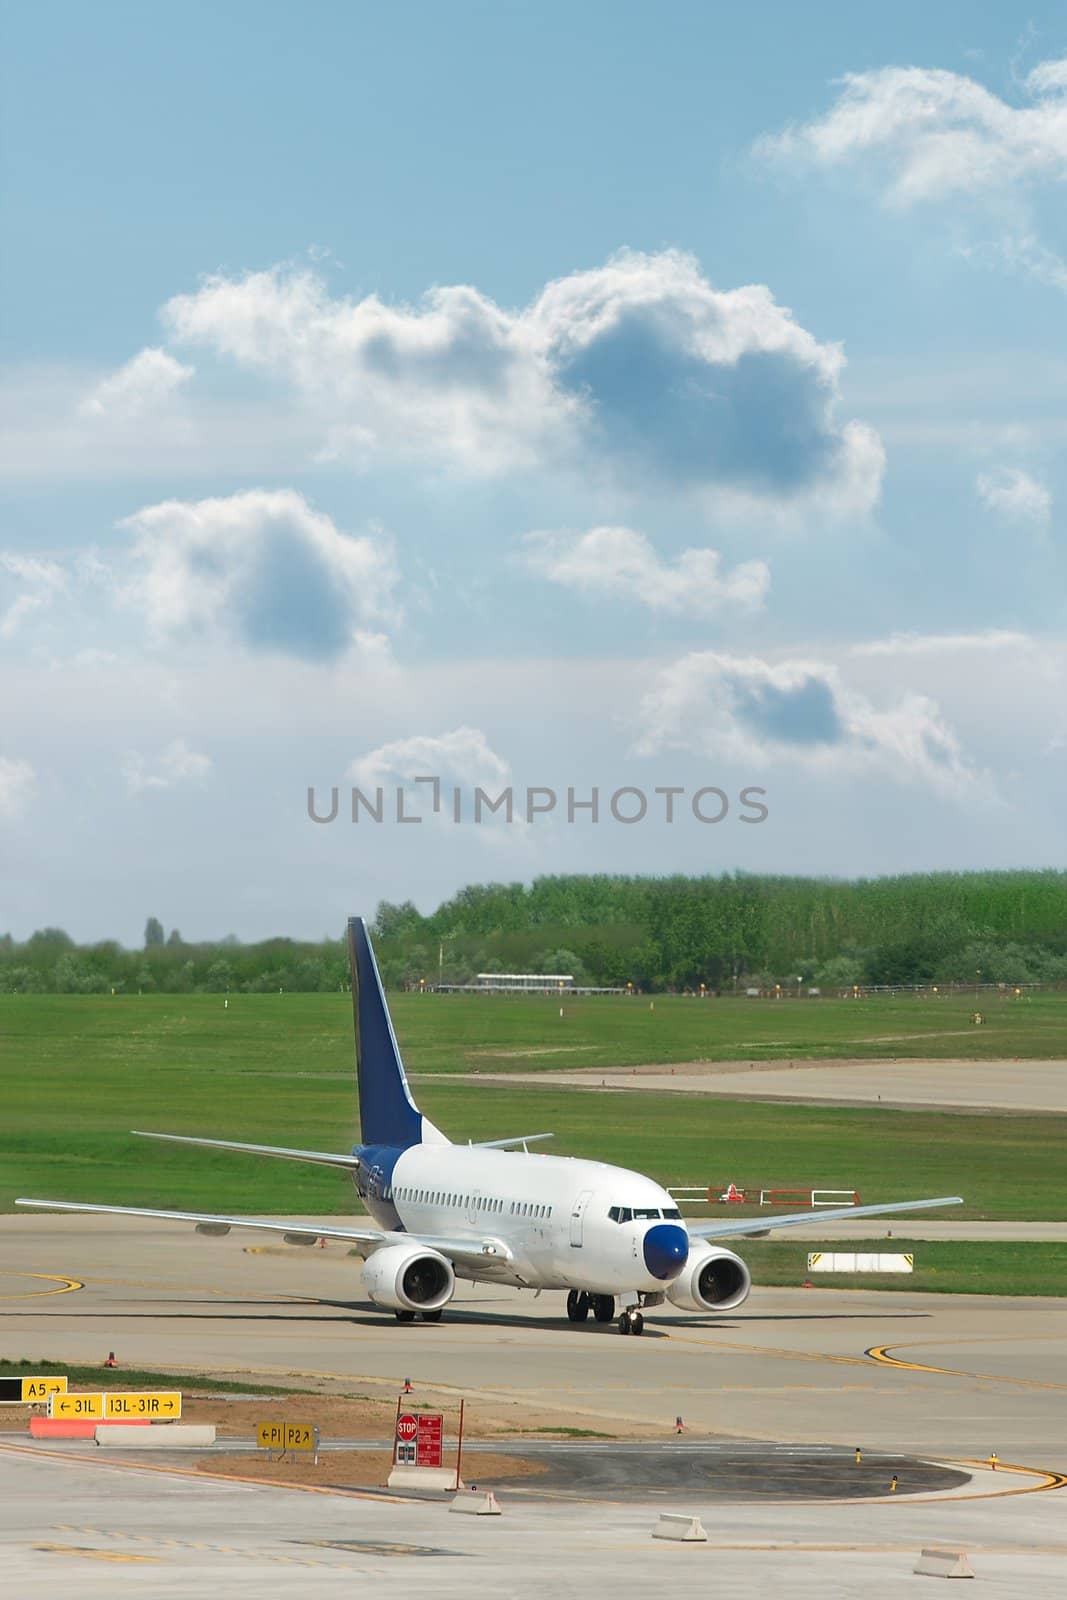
{"x": 287, "y": 1436}
{"x": 163, "y": 1406}
{"x": 31, "y": 1391}
{"x": 76, "y": 1406}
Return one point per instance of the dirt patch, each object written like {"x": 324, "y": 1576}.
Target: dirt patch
{"x": 360, "y": 1469}
{"x": 356, "y": 1417}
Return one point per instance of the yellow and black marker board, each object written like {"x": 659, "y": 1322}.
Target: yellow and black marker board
{"x": 31, "y": 1391}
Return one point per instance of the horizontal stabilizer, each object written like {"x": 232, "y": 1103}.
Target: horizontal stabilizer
{"x": 507, "y": 1144}
{"x": 320, "y": 1158}
{"x": 737, "y": 1228}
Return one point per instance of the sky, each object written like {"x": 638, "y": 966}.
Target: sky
{"x": 643, "y": 426}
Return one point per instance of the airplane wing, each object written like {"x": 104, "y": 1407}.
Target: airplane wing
{"x": 322, "y": 1158}
{"x": 467, "y": 1252}
{"x": 738, "y": 1227}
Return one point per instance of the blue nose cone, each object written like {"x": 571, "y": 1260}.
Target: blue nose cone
{"x": 666, "y": 1249}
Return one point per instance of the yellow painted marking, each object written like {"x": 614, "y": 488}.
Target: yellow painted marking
{"x": 881, "y": 1354}
{"x": 68, "y": 1285}
{"x": 92, "y": 1555}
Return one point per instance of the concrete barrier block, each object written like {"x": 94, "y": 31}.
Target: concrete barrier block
{"x": 159, "y": 1436}
{"x": 73, "y": 1427}
{"x": 934, "y": 1563}
{"x": 476, "y": 1503}
{"x": 685, "y": 1530}
{"x": 443, "y": 1479}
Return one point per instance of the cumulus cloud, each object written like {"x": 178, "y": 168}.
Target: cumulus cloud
{"x": 1016, "y": 495}
{"x": 931, "y": 133}
{"x": 622, "y": 561}
{"x": 462, "y": 755}
{"x": 796, "y": 712}
{"x": 639, "y": 367}
{"x": 144, "y": 383}
{"x": 176, "y": 765}
{"x": 17, "y": 779}
{"x": 27, "y": 584}
{"x": 262, "y": 568}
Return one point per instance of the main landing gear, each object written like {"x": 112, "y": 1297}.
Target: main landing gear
{"x": 427, "y": 1316}
{"x": 579, "y": 1305}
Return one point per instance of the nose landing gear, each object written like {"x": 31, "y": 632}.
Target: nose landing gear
{"x": 631, "y": 1322}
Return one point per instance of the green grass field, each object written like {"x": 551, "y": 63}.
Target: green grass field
{"x": 941, "y": 1266}
{"x": 78, "y": 1073}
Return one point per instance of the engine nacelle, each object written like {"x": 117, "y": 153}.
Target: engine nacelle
{"x": 406, "y": 1278}
{"x": 712, "y": 1279}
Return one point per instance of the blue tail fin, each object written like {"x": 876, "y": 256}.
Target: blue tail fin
{"x": 387, "y": 1113}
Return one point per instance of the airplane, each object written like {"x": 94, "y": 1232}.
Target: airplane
{"x": 494, "y": 1213}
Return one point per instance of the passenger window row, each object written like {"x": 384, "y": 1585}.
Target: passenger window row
{"x": 463, "y": 1202}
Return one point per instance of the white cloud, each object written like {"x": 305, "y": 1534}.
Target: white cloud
{"x": 462, "y": 755}
{"x": 800, "y": 713}
{"x": 34, "y": 584}
{"x": 17, "y": 779}
{"x": 622, "y": 561}
{"x": 1015, "y": 494}
{"x": 640, "y": 368}
{"x": 263, "y": 568}
{"x": 142, "y": 384}
{"x": 177, "y": 764}
{"x": 932, "y": 133}
{"x": 943, "y": 644}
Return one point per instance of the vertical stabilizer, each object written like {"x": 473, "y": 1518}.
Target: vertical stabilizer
{"x": 387, "y": 1113}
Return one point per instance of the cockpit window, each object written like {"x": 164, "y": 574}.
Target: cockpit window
{"x": 621, "y": 1214}
{"x": 645, "y": 1214}
{"x": 672, "y": 1212}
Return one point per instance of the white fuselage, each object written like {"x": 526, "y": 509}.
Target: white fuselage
{"x": 551, "y": 1215}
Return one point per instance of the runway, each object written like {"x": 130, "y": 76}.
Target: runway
{"x": 1020, "y": 1087}
{"x": 952, "y": 1377}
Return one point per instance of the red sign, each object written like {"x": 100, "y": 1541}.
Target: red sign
{"x": 429, "y": 1440}
{"x": 406, "y": 1428}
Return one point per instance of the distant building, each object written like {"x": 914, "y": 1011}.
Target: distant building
{"x": 526, "y": 982}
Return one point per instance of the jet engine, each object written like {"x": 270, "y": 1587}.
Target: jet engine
{"x": 712, "y": 1279}
{"x": 407, "y": 1278}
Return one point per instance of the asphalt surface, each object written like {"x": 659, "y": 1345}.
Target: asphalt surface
{"x": 950, "y": 1377}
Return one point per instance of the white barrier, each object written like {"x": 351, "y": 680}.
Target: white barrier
{"x": 859, "y": 1261}
{"x": 685, "y": 1530}
{"x": 943, "y": 1564}
{"x": 476, "y": 1504}
{"x": 443, "y": 1479}
{"x": 165, "y": 1436}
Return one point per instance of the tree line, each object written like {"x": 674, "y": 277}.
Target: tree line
{"x": 729, "y": 931}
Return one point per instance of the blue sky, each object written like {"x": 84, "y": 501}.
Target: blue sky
{"x": 548, "y": 395}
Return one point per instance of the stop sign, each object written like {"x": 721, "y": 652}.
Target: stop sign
{"x": 407, "y": 1428}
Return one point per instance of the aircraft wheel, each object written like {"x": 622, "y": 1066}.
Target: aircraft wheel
{"x": 577, "y": 1305}
{"x": 604, "y": 1307}
{"x": 624, "y": 1324}
{"x": 639, "y": 1323}
{"x": 404, "y": 1316}
{"x": 433, "y": 1316}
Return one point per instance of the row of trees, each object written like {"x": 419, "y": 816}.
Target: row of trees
{"x": 728, "y": 932}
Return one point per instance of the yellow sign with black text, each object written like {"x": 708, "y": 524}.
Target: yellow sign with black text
{"x": 37, "y": 1390}
{"x": 76, "y": 1406}
{"x": 287, "y": 1436}
{"x": 165, "y": 1406}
